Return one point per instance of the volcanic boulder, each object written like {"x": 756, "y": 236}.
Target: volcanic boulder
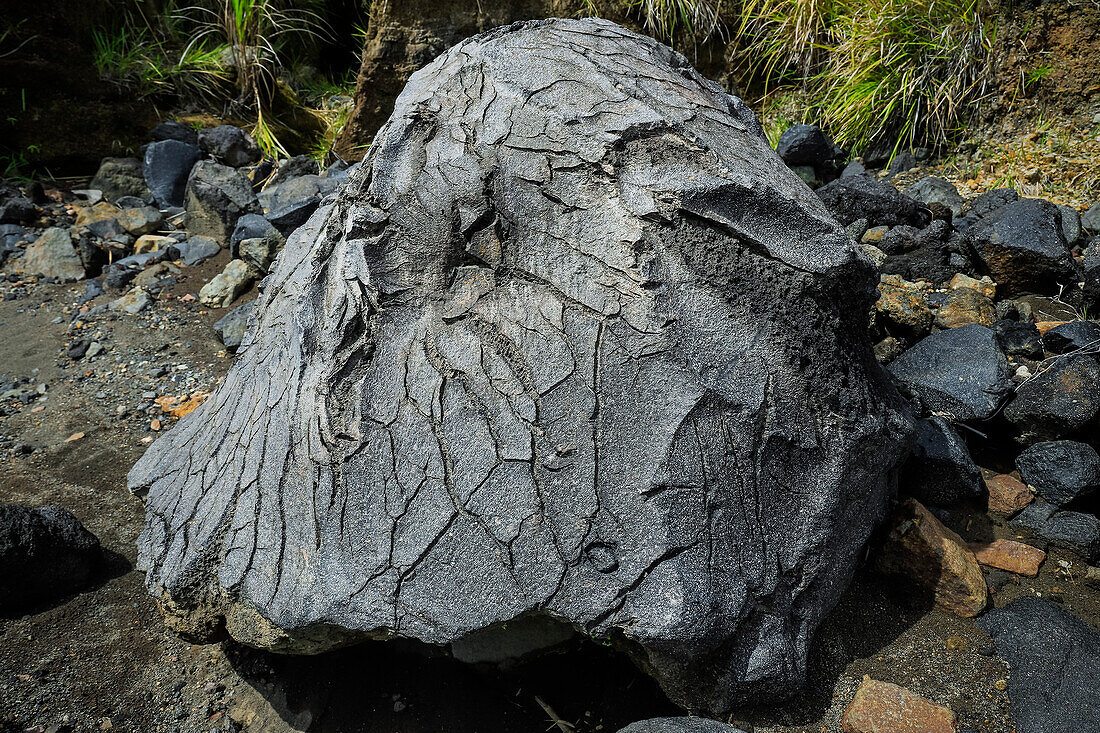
{"x": 573, "y": 346}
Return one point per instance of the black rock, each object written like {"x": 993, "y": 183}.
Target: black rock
{"x": 902, "y": 162}
{"x": 940, "y": 471}
{"x": 993, "y": 201}
{"x": 132, "y": 202}
{"x": 232, "y": 326}
{"x": 175, "y": 131}
{"x": 1091, "y": 266}
{"x": 45, "y": 553}
{"x": 217, "y": 197}
{"x": 92, "y": 256}
{"x": 932, "y": 190}
{"x": 1059, "y": 401}
{"x": 960, "y": 372}
{"x": 863, "y": 197}
{"x": 1055, "y": 661}
{"x": 253, "y": 226}
{"x": 1022, "y": 248}
{"x": 1072, "y": 336}
{"x": 1090, "y": 220}
{"x": 808, "y": 145}
{"x": 296, "y": 191}
{"x": 1074, "y": 531}
{"x": 679, "y": 725}
{"x": 167, "y": 165}
{"x": 1019, "y": 338}
{"x": 854, "y": 168}
{"x": 1060, "y": 470}
{"x": 477, "y": 392}
{"x": 299, "y": 165}
{"x": 118, "y": 277}
{"x": 230, "y": 145}
{"x": 120, "y": 178}
{"x": 1070, "y": 223}
{"x": 78, "y": 348}
{"x": 17, "y": 210}
{"x": 292, "y": 216}
{"x": 92, "y": 290}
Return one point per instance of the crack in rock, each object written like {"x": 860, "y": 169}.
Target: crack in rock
{"x": 573, "y": 347}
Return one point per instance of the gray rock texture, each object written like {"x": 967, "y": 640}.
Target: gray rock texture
{"x": 573, "y": 344}
{"x": 1060, "y": 470}
{"x": 1022, "y": 247}
{"x": 1058, "y": 401}
{"x": 121, "y": 177}
{"x": 1055, "y": 662}
{"x": 217, "y": 196}
{"x": 960, "y": 372}
{"x": 679, "y": 725}
{"x": 166, "y": 166}
{"x": 940, "y": 471}
{"x": 53, "y": 255}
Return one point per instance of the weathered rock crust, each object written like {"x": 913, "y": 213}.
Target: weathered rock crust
{"x": 573, "y": 343}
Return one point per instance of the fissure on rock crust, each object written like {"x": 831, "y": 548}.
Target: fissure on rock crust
{"x": 572, "y": 343}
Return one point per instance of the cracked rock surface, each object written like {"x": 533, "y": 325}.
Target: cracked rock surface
{"x": 573, "y": 346}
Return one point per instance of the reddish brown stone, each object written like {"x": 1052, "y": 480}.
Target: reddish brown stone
{"x": 1015, "y": 557}
{"x": 881, "y": 707}
{"x": 1007, "y": 495}
{"x": 919, "y": 549}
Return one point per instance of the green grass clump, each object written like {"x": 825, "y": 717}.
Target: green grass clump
{"x": 902, "y": 72}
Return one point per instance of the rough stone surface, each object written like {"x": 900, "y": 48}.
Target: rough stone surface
{"x": 940, "y": 471}
{"x": 166, "y": 167}
{"x": 299, "y": 165}
{"x": 232, "y": 326}
{"x": 1060, "y": 470}
{"x": 863, "y": 197}
{"x": 1015, "y": 557}
{"x": 1074, "y": 531}
{"x": 960, "y": 372}
{"x": 1019, "y": 339}
{"x": 1055, "y": 662}
{"x": 903, "y": 307}
{"x": 228, "y": 285}
{"x": 254, "y": 226}
{"x": 120, "y": 177}
{"x": 679, "y": 725}
{"x": 933, "y": 190}
{"x": 1022, "y": 247}
{"x": 133, "y": 302}
{"x": 883, "y": 707}
{"x": 1007, "y": 495}
{"x": 1072, "y": 336}
{"x": 44, "y": 553}
{"x": 297, "y": 190}
{"x": 921, "y": 551}
{"x": 964, "y": 306}
{"x": 1059, "y": 401}
{"x": 175, "y": 131}
{"x": 217, "y": 196}
{"x": 230, "y": 145}
{"x": 197, "y": 249}
{"x": 532, "y": 363}
{"x": 53, "y": 255}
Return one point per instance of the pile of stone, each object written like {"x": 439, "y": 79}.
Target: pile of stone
{"x": 193, "y": 194}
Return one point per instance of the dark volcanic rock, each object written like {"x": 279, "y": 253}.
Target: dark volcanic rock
{"x": 1071, "y": 336}
{"x": 254, "y": 226}
{"x": 1022, "y": 247}
{"x": 932, "y": 190}
{"x": 230, "y": 145}
{"x": 863, "y": 197}
{"x": 807, "y": 145}
{"x": 232, "y": 326}
{"x": 1058, "y": 401}
{"x": 679, "y": 725}
{"x": 121, "y": 177}
{"x": 961, "y": 372}
{"x": 167, "y": 165}
{"x": 1019, "y": 338}
{"x": 299, "y": 165}
{"x": 566, "y": 368}
{"x": 1055, "y": 661}
{"x": 217, "y": 197}
{"x": 296, "y": 191}
{"x": 940, "y": 471}
{"x": 45, "y": 553}
{"x": 1060, "y": 470}
{"x": 175, "y": 131}
{"x": 1075, "y": 531}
